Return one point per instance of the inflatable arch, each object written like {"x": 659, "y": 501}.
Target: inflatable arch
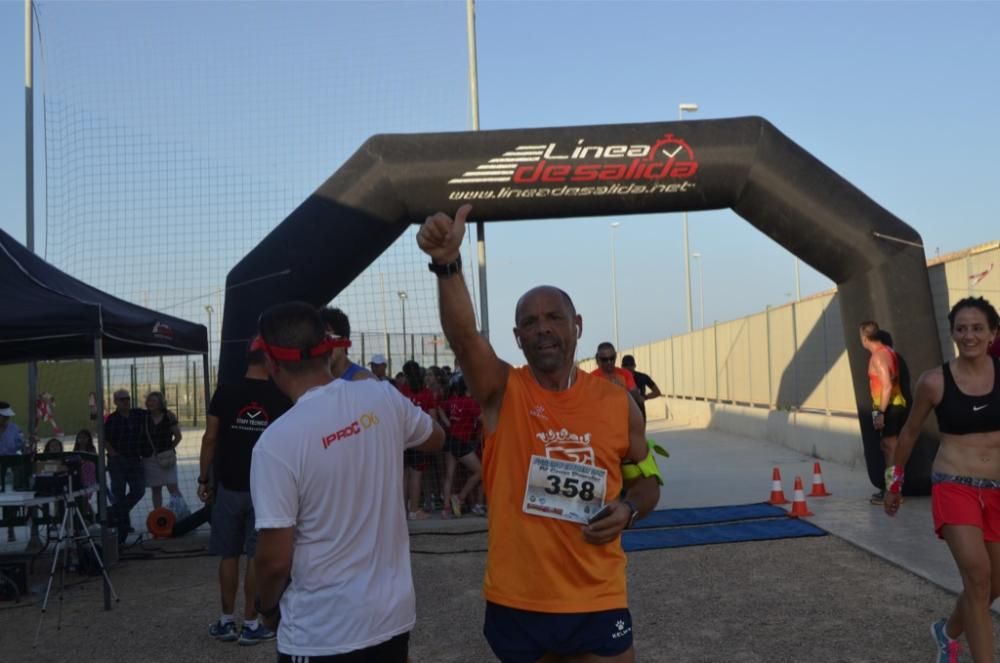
{"x": 746, "y": 164}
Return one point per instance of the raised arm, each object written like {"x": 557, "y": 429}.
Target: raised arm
{"x": 441, "y": 238}
{"x": 930, "y": 389}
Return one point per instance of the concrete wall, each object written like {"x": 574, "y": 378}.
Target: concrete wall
{"x": 783, "y": 374}
{"x": 835, "y": 438}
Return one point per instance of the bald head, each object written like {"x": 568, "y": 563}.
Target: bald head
{"x": 546, "y": 327}
{"x": 543, "y": 291}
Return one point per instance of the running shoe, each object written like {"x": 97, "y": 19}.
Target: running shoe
{"x": 223, "y": 632}
{"x": 419, "y": 514}
{"x": 456, "y": 506}
{"x": 948, "y": 649}
{"x": 878, "y": 497}
{"x": 479, "y": 510}
{"x": 255, "y": 636}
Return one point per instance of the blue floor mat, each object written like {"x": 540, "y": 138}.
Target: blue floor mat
{"x": 759, "y": 530}
{"x": 706, "y": 515}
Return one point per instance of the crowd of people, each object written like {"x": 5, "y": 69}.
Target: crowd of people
{"x": 312, "y": 465}
{"x": 558, "y": 456}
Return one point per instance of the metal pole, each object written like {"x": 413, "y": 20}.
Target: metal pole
{"x": 614, "y": 282}
{"x": 209, "y": 310}
{"x": 385, "y": 322}
{"x": 194, "y": 385}
{"x": 29, "y": 128}
{"x": 798, "y": 286}
{"x": 163, "y": 381}
{"x": 208, "y": 394}
{"x": 484, "y": 310}
{"x": 687, "y": 274}
{"x": 767, "y": 326}
{"x": 795, "y": 364}
{"x": 691, "y": 108}
{"x": 402, "y": 301}
{"x": 29, "y": 183}
{"x": 102, "y": 470}
{"x": 715, "y": 349}
{"x": 701, "y": 291}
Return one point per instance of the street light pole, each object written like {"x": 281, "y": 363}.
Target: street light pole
{"x": 402, "y": 302}
{"x": 798, "y": 286}
{"x": 681, "y": 109}
{"x": 614, "y": 281}
{"x": 701, "y": 289}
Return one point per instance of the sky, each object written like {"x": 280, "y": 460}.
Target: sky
{"x": 901, "y": 99}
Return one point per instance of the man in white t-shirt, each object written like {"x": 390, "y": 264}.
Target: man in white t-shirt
{"x": 333, "y": 559}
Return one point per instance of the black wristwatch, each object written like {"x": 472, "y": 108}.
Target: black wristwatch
{"x": 635, "y": 513}
{"x": 203, "y": 482}
{"x": 267, "y": 614}
{"x": 444, "y": 271}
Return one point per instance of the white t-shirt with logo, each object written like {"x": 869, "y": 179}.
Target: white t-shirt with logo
{"x": 332, "y": 468}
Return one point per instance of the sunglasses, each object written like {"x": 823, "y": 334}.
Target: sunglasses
{"x": 606, "y": 359}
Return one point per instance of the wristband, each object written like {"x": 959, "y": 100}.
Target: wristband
{"x": 203, "y": 482}
{"x": 634, "y": 515}
{"x": 444, "y": 271}
{"x": 894, "y": 479}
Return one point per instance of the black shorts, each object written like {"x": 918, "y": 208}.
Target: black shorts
{"x": 460, "y": 448}
{"x": 394, "y": 650}
{"x": 416, "y": 460}
{"x": 522, "y": 636}
{"x": 895, "y": 417}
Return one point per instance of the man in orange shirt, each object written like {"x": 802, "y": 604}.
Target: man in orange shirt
{"x": 558, "y": 442}
{"x": 606, "y": 357}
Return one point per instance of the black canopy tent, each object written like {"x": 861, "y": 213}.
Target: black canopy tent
{"x": 48, "y": 314}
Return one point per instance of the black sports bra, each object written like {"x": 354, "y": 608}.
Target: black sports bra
{"x": 961, "y": 414}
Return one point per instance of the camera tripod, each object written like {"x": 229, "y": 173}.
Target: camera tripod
{"x": 68, "y": 534}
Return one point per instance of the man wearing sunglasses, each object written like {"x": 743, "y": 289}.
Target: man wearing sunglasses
{"x": 606, "y": 357}
{"x": 338, "y": 324}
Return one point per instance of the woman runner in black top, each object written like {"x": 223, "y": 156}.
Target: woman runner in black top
{"x": 965, "y": 393}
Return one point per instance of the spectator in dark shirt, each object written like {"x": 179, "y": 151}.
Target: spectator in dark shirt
{"x": 238, "y": 414}
{"x": 647, "y": 388}
{"x": 124, "y": 434}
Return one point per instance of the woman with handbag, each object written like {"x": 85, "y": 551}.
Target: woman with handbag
{"x": 162, "y": 436}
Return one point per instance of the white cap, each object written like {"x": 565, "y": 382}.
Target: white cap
{"x": 378, "y": 359}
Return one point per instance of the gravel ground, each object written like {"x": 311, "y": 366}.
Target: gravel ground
{"x": 811, "y": 599}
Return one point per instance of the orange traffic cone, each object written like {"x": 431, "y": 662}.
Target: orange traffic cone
{"x": 818, "y": 489}
{"x": 777, "y": 493}
{"x": 799, "y": 507}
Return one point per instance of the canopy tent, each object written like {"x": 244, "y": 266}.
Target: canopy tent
{"x": 48, "y": 314}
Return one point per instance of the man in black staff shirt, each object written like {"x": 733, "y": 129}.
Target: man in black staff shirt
{"x": 647, "y": 388}
{"x": 237, "y": 416}
{"x": 126, "y": 445}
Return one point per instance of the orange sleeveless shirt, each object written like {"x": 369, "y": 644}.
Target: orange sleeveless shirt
{"x": 543, "y": 564}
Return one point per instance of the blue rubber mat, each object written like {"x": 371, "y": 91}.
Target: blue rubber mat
{"x": 706, "y": 515}
{"x": 759, "y": 530}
